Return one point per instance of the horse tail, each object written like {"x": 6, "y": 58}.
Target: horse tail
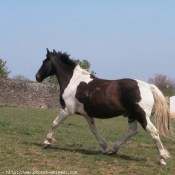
{"x": 162, "y": 113}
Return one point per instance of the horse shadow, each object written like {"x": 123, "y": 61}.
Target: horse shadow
{"x": 79, "y": 149}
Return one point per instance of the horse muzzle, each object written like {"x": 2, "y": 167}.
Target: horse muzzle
{"x": 38, "y": 77}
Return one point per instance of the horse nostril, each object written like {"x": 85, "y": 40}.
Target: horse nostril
{"x": 37, "y": 76}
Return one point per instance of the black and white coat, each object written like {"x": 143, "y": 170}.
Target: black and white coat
{"x": 91, "y": 97}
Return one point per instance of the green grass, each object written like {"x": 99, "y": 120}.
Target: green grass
{"x": 22, "y": 132}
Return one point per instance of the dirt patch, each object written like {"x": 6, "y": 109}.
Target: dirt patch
{"x": 108, "y": 168}
{"x": 47, "y": 162}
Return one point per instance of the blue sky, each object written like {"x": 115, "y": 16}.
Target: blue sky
{"x": 120, "y": 38}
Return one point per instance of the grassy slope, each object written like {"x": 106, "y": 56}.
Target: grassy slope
{"x": 22, "y": 132}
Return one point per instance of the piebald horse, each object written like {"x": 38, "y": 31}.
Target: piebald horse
{"x": 84, "y": 94}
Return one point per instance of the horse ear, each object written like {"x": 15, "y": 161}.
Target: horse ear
{"x": 47, "y": 55}
{"x": 48, "y": 51}
{"x": 54, "y": 51}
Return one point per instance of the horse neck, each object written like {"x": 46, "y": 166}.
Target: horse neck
{"x": 64, "y": 74}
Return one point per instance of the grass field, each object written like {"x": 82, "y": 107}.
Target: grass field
{"x": 22, "y": 132}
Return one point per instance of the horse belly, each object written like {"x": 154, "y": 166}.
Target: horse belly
{"x": 100, "y": 108}
{"x": 100, "y": 99}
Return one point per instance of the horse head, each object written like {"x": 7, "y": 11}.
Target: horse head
{"x": 46, "y": 69}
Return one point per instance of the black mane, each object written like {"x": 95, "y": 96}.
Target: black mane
{"x": 64, "y": 57}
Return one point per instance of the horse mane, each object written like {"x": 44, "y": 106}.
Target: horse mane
{"x": 64, "y": 57}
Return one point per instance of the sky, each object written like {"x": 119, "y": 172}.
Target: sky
{"x": 120, "y": 38}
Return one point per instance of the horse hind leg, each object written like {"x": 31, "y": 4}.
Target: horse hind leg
{"x": 143, "y": 118}
{"x": 151, "y": 129}
{"x": 131, "y": 132}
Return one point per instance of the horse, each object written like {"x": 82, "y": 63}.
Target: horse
{"x": 85, "y": 94}
{"x": 172, "y": 106}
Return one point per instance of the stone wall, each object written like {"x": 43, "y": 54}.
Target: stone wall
{"x": 28, "y": 94}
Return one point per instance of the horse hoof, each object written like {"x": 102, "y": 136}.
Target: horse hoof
{"x": 46, "y": 146}
{"x": 162, "y": 162}
{"x": 111, "y": 152}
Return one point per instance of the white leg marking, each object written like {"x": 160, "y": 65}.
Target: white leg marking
{"x": 150, "y": 128}
{"x": 61, "y": 117}
{"x": 101, "y": 141}
{"x": 131, "y": 132}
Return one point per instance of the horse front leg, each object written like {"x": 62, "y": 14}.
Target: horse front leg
{"x": 93, "y": 128}
{"x": 60, "y": 118}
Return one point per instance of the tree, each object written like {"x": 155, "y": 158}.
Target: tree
{"x": 164, "y": 83}
{"x": 51, "y": 79}
{"x": 20, "y": 77}
{"x": 83, "y": 64}
{"x": 3, "y": 69}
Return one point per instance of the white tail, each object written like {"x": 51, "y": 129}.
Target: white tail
{"x": 162, "y": 113}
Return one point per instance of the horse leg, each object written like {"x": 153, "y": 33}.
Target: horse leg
{"x": 131, "y": 132}
{"x": 60, "y": 118}
{"x": 151, "y": 129}
{"x": 93, "y": 128}
{"x": 146, "y": 123}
